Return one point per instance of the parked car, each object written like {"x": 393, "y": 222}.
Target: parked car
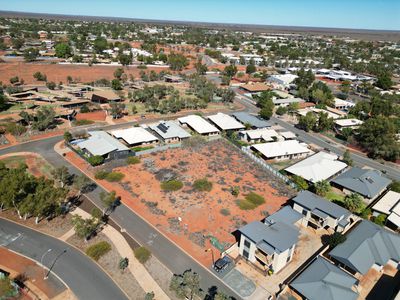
{"x": 222, "y": 263}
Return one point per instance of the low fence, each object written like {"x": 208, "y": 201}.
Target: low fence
{"x": 264, "y": 165}
{"x": 158, "y": 149}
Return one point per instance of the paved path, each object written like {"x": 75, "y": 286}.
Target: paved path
{"x": 84, "y": 277}
{"x": 135, "y": 267}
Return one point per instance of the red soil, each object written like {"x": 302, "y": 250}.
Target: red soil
{"x": 200, "y": 212}
{"x": 94, "y": 116}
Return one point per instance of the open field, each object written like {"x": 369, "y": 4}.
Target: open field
{"x": 57, "y": 72}
{"x": 37, "y": 166}
{"x": 192, "y": 218}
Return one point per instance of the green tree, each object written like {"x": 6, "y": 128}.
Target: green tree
{"x": 345, "y": 87}
{"x": 307, "y": 122}
{"x": 177, "y": 61}
{"x": 395, "y": 186}
{"x": 322, "y": 188}
{"x": 230, "y": 71}
{"x": 186, "y": 285}
{"x": 51, "y": 85}
{"x": 304, "y": 79}
{"x": 251, "y": 68}
{"x": 116, "y": 85}
{"x": 61, "y": 175}
{"x": 100, "y": 44}
{"x": 81, "y": 184}
{"x": 84, "y": 228}
{"x": 347, "y": 158}
{"x": 6, "y": 288}
{"x": 384, "y": 81}
{"x": 63, "y": 50}
{"x": 108, "y": 199}
{"x": 201, "y": 69}
{"x": 324, "y": 122}
{"x": 31, "y": 54}
{"x": 281, "y": 110}
{"x": 124, "y": 59}
{"x": 118, "y": 73}
{"x": 117, "y": 109}
{"x": 68, "y": 136}
{"x": 353, "y": 202}
{"x": 300, "y": 182}
{"x": 40, "y": 76}
{"x": 95, "y": 160}
{"x": 44, "y": 118}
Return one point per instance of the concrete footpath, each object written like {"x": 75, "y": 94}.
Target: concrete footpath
{"x": 135, "y": 267}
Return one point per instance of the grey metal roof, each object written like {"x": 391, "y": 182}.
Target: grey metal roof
{"x": 285, "y": 215}
{"x": 368, "y": 183}
{"x": 323, "y": 280}
{"x": 101, "y": 143}
{"x": 313, "y": 202}
{"x": 280, "y": 236}
{"x": 366, "y": 245}
{"x": 288, "y": 101}
{"x": 254, "y": 121}
{"x": 169, "y": 129}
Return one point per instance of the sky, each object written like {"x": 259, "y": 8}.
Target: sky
{"x": 357, "y": 14}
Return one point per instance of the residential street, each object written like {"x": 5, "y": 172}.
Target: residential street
{"x": 79, "y": 272}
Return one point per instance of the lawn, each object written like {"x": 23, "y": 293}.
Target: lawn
{"x": 332, "y": 196}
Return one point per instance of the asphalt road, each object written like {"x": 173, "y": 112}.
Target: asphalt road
{"x": 176, "y": 260}
{"x": 358, "y": 159}
{"x": 80, "y": 273}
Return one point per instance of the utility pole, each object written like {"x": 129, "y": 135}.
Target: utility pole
{"x": 54, "y": 262}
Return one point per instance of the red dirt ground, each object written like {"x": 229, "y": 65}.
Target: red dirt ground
{"x": 57, "y": 73}
{"x": 22, "y": 265}
{"x": 94, "y": 116}
{"x": 223, "y": 165}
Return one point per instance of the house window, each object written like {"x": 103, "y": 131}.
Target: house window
{"x": 246, "y": 254}
{"x": 246, "y": 243}
{"x": 304, "y": 212}
{"x": 288, "y": 259}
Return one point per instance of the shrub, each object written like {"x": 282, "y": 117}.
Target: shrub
{"x": 235, "y": 190}
{"x": 225, "y": 212}
{"x": 251, "y": 201}
{"x": 380, "y": 219}
{"x": 114, "y": 176}
{"x": 202, "y": 185}
{"x": 138, "y": 149}
{"x": 98, "y": 250}
{"x": 336, "y": 239}
{"x": 96, "y": 160}
{"x": 84, "y": 109}
{"x": 133, "y": 160}
{"x": 101, "y": 174}
{"x": 171, "y": 185}
{"x": 142, "y": 254}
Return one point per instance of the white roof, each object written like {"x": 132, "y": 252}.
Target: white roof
{"x": 198, "y": 124}
{"x": 395, "y": 219}
{"x": 348, "y": 122}
{"x": 275, "y": 149}
{"x": 340, "y": 102}
{"x": 225, "y": 122}
{"x": 317, "y": 167}
{"x": 288, "y": 134}
{"x": 134, "y": 135}
{"x": 388, "y": 203}
{"x": 101, "y": 143}
{"x": 304, "y": 111}
{"x": 284, "y": 78}
{"x": 263, "y": 133}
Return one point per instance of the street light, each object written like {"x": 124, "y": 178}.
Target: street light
{"x": 54, "y": 262}
{"x": 41, "y": 260}
{"x": 212, "y": 254}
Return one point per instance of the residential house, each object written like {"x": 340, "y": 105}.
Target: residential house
{"x": 320, "y": 213}
{"x": 282, "y": 150}
{"x": 248, "y": 119}
{"x": 199, "y": 125}
{"x": 323, "y": 280}
{"x": 282, "y": 80}
{"x": 255, "y": 88}
{"x": 389, "y": 205}
{"x": 288, "y": 135}
{"x": 270, "y": 245}
{"x": 368, "y": 183}
{"x": 225, "y": 122}
{"x": 170, "y": 131}
{"x": 318, "y": 167}
{"x": 367, "y": 246}
{"x": 343, "y": 104}
{"x": 135, "y": 136}
{"x": 102, "y": 144}
{"x": 258, "y": 135}
{"x": 286, "y": 101}
{"x": 340, "y": 124}
{"x": 103, "y": 96}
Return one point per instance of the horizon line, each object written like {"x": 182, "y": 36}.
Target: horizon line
{"x": 187, "y": 22}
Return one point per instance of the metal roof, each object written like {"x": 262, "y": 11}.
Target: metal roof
{"x": 134, "y": 135}
{"x": 254, "y": 121}
{"x": 323, "y": 280}
{"x": 317, "y": 167}
{"x": 368, "y": 183}
{"x": 285, "y": 215}
{"x": 312, "y": 202}
{"x": 366, "y": 245}
{"x": 279, "y": 235}
{"x": 275, "y": 149}
{"x": 198, "y": 124}
{"x": 169, "y": 129}
{"x": 225, "y": 122}
{"x": 101, "y": 143}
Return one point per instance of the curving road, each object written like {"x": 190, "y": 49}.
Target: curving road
{"x": 84, "y": 277}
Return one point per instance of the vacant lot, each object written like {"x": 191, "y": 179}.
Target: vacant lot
{"x": 194, "y": 218}
{"x": 57, "y": 72}
{"x": 37, "y": 165}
